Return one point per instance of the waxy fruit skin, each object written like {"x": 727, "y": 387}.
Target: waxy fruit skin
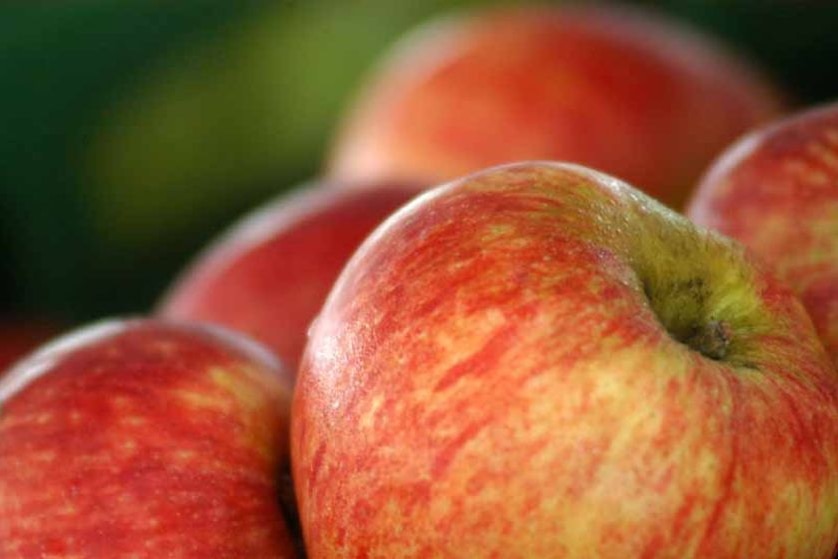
{"x": 776, "y": 191}
{"x": 269, "y": 275}
{"x": 498, "y": 373}
{"x": 618, "y": 89}
{"x": 144, "y": 439}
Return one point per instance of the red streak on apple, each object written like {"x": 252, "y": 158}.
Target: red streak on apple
{"x": 504, "y": 369}
{"x": 144, "y": 439}
{"x": 777, "y": 192}
{"x": 268, "y": 276}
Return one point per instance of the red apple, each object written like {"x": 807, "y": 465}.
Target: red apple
{"x": 619, "y": 89}
{"x": 269, "y": 275}
{"x": 777, "y": 192}
{"x": 144, "y": 439}
{"x": 540, "y": 361}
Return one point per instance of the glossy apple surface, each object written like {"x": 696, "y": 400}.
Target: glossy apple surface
{"x": 777, "y": 192}
{"x": 540, "y": 361}
{"x": 617, "y": 89}
{"x": 144, "y": 439}
{"x": 270, "y": 274}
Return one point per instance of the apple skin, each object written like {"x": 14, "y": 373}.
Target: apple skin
{"x": 493, "y": 375}
{"x": 776, "y": 191}
{"x": 617, "y": 89}
{"x": 269, "y": 275}
{"x": 144, "y": 439}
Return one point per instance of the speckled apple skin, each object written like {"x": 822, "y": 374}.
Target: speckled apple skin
{"x": 269, "y": 275}
{"x": 488, "y": 379}
{"x": 776, "y": 191}
{"x": 144, "y": 439}
{"x": 618, "y": 89}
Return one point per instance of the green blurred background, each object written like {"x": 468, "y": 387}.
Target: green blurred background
{"x": 132, "y": 132}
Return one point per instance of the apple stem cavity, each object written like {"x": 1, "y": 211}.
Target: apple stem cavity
{"x": 711, "y": 339}
{"x": 681, "y": 308}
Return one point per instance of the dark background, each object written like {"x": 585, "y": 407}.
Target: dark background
{"x": 132, "y": 132}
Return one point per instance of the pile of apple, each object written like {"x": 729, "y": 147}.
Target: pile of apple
{"x": 534, "y": 360}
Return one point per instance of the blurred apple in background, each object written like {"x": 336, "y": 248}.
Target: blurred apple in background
{"x": 777, "y": 191}
{"x": 269, "y": 275}
{"x": 133, "y": 131}
{"x": 144, "y": 439}
{"x": 540, "y": 361}
{"x": 620, "y": 89}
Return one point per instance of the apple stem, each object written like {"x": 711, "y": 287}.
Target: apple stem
{"x": 712, "y": 339}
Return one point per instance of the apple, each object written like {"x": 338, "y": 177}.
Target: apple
{"x": 618, "y": 89}
{"x": 141, "y": 439}
{"x": 776, "y": 191}
{"x": 268, "y": 275}
{"x": 540, "y": 361}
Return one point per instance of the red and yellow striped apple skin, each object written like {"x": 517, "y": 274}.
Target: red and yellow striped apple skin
{"x": 144, "y": 439}
{"x": 487, "y": 379}
{"x": 615, "y": 89}
{"x": 776, "y": 191}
